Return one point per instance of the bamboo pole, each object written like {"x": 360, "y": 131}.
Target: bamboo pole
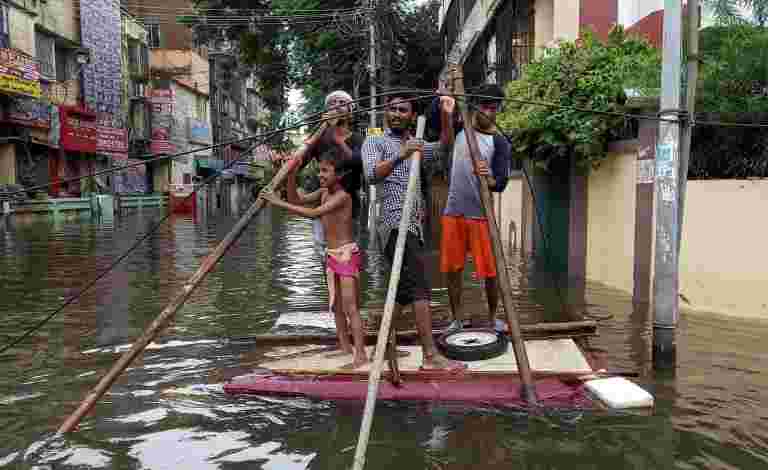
{"x": 170, "y": 310}
{"x": 534, "y": 331}
{"x": 529, "y": 389}
{"x": 394, "y": 279}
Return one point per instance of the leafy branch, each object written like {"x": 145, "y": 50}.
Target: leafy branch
{"x": 584, "y": 74}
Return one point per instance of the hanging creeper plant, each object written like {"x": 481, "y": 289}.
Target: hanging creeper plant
{"x": 585, "y": 74}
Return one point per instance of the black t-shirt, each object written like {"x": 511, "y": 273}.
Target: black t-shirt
{"x": 354, "y": 141}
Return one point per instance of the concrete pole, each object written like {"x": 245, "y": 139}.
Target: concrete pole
{"x": 665, "y": 282}
{"x": 690, "y": 106}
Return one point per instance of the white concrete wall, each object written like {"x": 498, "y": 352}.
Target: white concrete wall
{"x": 630, "y": 11}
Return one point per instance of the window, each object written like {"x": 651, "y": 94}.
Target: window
{"x": 201, "y": 108}
{"x": 137, "y": 61}
{"x": 252, "y": 104}
{"x": 65, "y": 64}
{"x": 5, "y": 30}
{"x": 187, "y": 178}
{"x": 490, "y": 72}
{"x": 45, "y": 46}
{"x": 153, "y": 33}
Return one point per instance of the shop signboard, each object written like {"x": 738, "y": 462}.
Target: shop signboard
{"x": 78, "y": 130}
{"x": 19, "y": 73}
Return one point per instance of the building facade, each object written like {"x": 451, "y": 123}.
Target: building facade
{"x": 39, "y": 44}
{"x": 64, "y": 96}
{"x": 494, "y": 39}
{"x": 136, "y": 108}
{"x": 203, "y": 111}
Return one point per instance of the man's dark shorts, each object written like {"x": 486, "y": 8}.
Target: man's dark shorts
{"x": 413, "y": 285}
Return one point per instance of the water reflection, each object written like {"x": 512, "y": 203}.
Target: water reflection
{"x": 169, "y": 411}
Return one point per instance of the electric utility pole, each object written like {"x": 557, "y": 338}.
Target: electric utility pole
{"x": 666, "y": 279}
{"x": 690, "y": 106}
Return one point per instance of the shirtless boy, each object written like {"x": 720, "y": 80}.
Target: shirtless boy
{"x": 338, "y": 197}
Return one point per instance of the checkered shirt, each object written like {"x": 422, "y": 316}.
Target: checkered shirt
{"x": 387, "y": 147}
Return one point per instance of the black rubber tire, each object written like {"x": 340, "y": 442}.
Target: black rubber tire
{"x": 469, "y": 352}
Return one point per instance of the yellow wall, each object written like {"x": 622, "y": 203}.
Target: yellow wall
{"x": 723, "y": 262}
{"x": 566, "y": 19}
{"x": 22, "y": 31}
{"x": 543, "y": 25}
{"x": 724, "y": 257}
{"x": 8, "y": 164}
{"x": 511, "y": 210}
{"x": 555, "y": 20}
{"x": 611, "y": 222}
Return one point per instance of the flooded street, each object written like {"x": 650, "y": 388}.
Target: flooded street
{"x": 168, "y": 410}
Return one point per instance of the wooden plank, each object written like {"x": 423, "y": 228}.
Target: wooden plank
{"x": 536, "y": 331}
{"x": 547, "y": 356}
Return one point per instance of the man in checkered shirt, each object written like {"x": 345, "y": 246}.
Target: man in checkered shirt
{"x": 385, "y": 160}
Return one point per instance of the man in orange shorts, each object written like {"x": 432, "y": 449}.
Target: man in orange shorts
{"x": 465, "y": 227}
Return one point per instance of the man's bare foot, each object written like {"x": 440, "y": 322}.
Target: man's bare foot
{"x": 437, "y": 362}
{"x": 341, "y": 352}
{"x": 359, "y": 361}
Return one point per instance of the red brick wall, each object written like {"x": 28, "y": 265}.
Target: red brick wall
{"x": 599, "y": 16}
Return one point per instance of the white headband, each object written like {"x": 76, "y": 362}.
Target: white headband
{"x": 339, "y": 94}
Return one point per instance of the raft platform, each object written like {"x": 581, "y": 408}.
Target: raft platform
{"x": 557, "y": 365}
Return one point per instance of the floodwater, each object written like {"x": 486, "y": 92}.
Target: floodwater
{"x": 168, "y": 410}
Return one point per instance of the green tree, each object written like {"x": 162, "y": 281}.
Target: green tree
{"x": 577, "y": 76}
{"x": 730, "y": 80}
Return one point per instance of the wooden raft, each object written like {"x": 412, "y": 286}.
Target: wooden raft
{"x": 551, "y": 357}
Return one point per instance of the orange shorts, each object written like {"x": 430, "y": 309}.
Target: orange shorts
{"x": 462, "y": 235}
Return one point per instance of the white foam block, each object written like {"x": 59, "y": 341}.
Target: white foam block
{"x": 619, "y": 393}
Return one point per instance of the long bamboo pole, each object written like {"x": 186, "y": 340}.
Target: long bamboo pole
{"x": 529, "y": 389}
{"x": 170, "y": 310}
{"x": 386, "y": 320}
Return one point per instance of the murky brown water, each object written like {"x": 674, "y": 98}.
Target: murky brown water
{"x": 168, "y": 410}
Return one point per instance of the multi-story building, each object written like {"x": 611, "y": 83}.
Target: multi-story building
{"x": 494, "y": 39}
{"x": 180, "y": 117}
{"x": 40, "y": 92}
{"x": 62, "y": 90}
{"x": 135, "y": 53}
{"x": 181, "y": 66}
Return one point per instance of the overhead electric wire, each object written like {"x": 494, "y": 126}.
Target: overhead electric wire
{"x": 116, "y": 262}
